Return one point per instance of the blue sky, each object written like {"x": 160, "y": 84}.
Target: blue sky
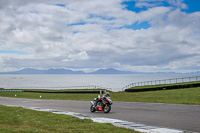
{"x": 12, "y": 52}
{"x": 133, "y": 35}
{"x": 193, "y": 6}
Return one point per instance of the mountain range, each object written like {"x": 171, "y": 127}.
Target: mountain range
{"x": 67, "y": 71}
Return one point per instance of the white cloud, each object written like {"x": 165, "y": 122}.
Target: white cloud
{"x": 90, "y": 34}
{"x": 178, "y": 3}
{"x": 79, "y": 56}
{"x": 144, "y": 4}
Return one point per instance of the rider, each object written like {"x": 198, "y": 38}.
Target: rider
{"x": 106, "y": 95}
{"x": 103, "y": 97}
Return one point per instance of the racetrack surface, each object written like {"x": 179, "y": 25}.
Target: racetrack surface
{"x": 174, "y": 116}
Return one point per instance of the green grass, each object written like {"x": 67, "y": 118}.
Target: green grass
{"x": 50, "y": 96}
{"x": 178, "y": 96}
{"x": 20, "y": 120}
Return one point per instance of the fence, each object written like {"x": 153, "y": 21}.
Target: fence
{"x": 11, "y": 91}
{"x": 165, "y": 81}
{"x": 79, "y": 87}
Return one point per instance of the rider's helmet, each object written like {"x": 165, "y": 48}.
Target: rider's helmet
{"x": 107, "y": 94}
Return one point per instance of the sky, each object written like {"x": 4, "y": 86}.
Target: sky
{"x": 129, "y": 35}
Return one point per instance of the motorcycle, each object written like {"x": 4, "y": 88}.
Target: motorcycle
{"x": 101, "y": 104}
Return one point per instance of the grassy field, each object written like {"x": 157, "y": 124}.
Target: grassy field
{"x": 179, "y": 96}
{"x": 20, "y": 120}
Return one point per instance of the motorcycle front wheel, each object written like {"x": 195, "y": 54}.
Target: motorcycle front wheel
{"x": 92, "y": 109}
{"x": 107, "y": 108}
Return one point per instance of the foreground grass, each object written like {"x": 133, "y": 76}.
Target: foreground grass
{"x": 179, "y": 96}
{"x": 20, "y": 120}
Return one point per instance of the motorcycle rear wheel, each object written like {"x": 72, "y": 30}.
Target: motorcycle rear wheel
{"x": 92, "y": 109}
{"x": 107, "y": 108}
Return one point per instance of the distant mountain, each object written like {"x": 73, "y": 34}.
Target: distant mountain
{"x": 66, "y": 71}
{"x": 197, "y": 72}
{"x": 50, "y": 71}
{"x": 63, "y": 71}
{"x": 110, "y": 71}
{"x": 100, "y": 71}
{"x": 28, "y": 71}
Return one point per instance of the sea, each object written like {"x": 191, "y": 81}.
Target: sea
{"x": 115, "y": 82}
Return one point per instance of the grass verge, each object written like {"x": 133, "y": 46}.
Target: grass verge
{"x": 20, "y": 120}
{"x": 178, "y": 96}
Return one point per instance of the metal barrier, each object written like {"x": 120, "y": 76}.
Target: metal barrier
{"x": 11, "y": 91}
{"x": 61, "y": 87}
{"x": 165, "y": 81}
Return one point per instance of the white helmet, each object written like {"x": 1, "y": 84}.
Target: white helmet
{"x": 107, "y": 94}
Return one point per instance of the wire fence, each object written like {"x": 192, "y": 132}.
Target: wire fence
{"x": 161, "y": 82}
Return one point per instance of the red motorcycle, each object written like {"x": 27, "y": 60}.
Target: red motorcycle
{"x": 101, "y": 104}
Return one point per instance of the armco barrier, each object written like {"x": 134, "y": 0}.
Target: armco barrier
{"x": 162, "y": 82}
{"x": 94, "y": 92}
{"x": 165, "y": 88}
{"x": 11, "y": 90}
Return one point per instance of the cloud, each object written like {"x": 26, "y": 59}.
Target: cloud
{"x": 146, "y": 4}
{"x": 93, "y": 34}
{"x": 178, "y": 3}
{"x": 80, "y": 56}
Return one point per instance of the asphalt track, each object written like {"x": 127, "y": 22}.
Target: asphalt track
{"x": 174, "y": 116}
